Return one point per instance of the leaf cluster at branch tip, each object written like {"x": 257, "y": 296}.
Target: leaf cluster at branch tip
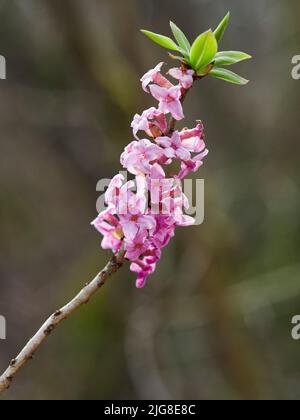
{"x": 203, "y": 54}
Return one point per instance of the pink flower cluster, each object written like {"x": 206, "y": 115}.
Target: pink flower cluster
{"x": 142, "y": 215}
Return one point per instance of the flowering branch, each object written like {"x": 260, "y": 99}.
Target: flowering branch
{"x": 138, "y": 226}
{"x": 84, "y": 296}
{"x": 145, "y": 221}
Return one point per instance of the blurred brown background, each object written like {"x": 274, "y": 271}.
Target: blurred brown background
{"x": 214, "y": 321}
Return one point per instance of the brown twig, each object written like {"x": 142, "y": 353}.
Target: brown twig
{"x": 115, "y": 263}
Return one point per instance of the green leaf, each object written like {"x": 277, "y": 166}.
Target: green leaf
{"x": 204, "y": 71}
{"x": 203, "y": 50}
{"x": 228, "y": 76}
{"x": 177, "y": 57}
{"x": 226, "y": 58}
{"x": 162, "y": 40}
{"x": 180, "y": 37}
{"x": 219, "y": 32}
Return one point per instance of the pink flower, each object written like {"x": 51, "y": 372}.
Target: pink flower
{"x": 155, "y": 76}
{"x": 152, "y": 121}
{"x": 150, "y": 76}
{"x": 139, "y": 157}
{"x": 157, "y": 172}
{"x": 169, "y": 100}
{"x": 113, "y": 190}
{"x": 136, "y": 246}
{"x": 173, "y": 200}
{"x": 185, "y": 77}
{"x": 146, "y": 266}
{"x": 140, "y": 123}
{"x": 132, "y": 223}
{"x": 173, "y": 147}
{"x": 143, "y": 270}
{"x": 108, "y": 225}
{"x": 153, "y": 255}
{"x": 193, "y": 140}
{"x": 192, "y": 165}
{"x": 183, "y": 220}
{"x": 165, "y": 231}
{"x": 117, "y": 194}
